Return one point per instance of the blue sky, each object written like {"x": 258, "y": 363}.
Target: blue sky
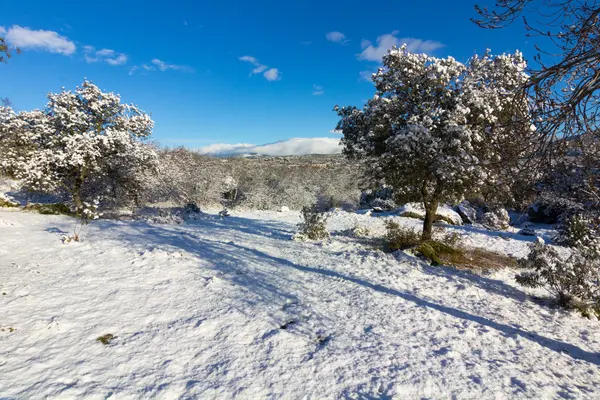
{"x": 190, "y": 64}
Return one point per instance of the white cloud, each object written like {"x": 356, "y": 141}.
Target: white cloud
{"x": 163, "y": 66}
{"x": 385, "y": 42}
{"x": 2, "y": 30}
{"x": 336, "y": 37}
{"x": 50, "y": 41}
{"x": 250, "y": 59}
{"x": 105, "y": 53}
{"x": 270, "y": 74}
{"x": 119, "y": 60}
{"x": 317, "y": 90}
{"x": 133, "y": 69}
{"x": 336, "y": 131}
{"x": 290, "y": 147}
{"x": 108, "y": 56}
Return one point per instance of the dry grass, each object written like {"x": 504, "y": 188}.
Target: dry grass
{"x": 477, "y": 259}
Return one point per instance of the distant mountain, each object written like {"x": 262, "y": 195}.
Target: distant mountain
{"x": 290, "y": 147}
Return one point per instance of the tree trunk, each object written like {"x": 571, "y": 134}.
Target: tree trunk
{"x": 77, "y": 200}
{"x": 430, "y": 210}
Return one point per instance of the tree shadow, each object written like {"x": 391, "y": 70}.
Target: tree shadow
{"x": 551, "y": 344}
{"x": 237, "y": 262}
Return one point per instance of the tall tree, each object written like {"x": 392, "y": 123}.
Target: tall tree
{"x": 436, "y": 129}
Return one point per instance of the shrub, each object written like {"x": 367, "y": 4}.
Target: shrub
{"x": 399, "y": 238}
{"x": 579, "y": 231}
{"x": 105, "y": 339}
{"x": 574, "y": 278}
{"x": 313, "y": 227}
{"x": 452, "y": 239}
{"x": 5, "y": 202}
{"x": 191, "y": 208}
{"x": 382, "y": 196}
{"x": 49, "y": 209}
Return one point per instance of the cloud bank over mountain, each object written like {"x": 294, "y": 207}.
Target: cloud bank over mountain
{"x": 290, "y": 147}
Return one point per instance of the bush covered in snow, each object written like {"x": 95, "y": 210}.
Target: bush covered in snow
{"x": 382, "y": 197}
{"x": 580, "y": 231}
{"x": 496, "y": 218}
{"x": 313, "y": 226}
{"x": 570, "y": 278}
{"x": 434, "y": 132}
{"x": 399, "y": 237}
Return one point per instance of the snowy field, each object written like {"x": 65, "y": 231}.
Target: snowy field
{"x": 230, "y": 307}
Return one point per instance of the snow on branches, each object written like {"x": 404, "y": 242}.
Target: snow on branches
{"x": 84, "y": 140}
{"x": 436, "y": 129}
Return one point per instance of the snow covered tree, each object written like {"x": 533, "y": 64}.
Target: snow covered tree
{"x": 83, "y": 142}
{"x": 436, "y": 129}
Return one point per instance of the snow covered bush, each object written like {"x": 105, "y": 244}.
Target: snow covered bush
{"x": 438, "y": 130}
{"x": 398, "y": 237}
{"x": 382, "y": 197}
{"x": 85, "y": 142}
{"x": 580, "y": 231}
{"x": 573, "y": 278}
{"x": 496, "y": 218}
{"x": 313, "y": 226}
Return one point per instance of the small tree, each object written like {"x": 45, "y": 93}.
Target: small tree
{"x": 83, "y": 142}
{"x": 314, "y": 225}
{"x": 568, "y": 278}
{"x": 436, "y": 129}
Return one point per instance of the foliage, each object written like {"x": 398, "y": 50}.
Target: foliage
{"x": 7, "y": 202}
{"x": 496, "y": 218}
{"x": 5, "y": 51}
{"x": 382, "y": 196}
{"x": 313, "y": 226}
{"x": 437, "y": 130}
{"x": 580, "y": 231}
{"x": 398, "y": 237}
{"x": 565, "y": 85}
{"x": 569, "y": 278}
{"x": 86, "y": 142}
{"x": 257, "y": 183}
{"x": 49, "y": 208}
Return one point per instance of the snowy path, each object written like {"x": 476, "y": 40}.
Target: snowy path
{"x": 198, "y": 311}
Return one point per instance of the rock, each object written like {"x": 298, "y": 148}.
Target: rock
{"x": 284, "y": 209}
{"x": 527, "y": 230}
{"x": 377, "y": 209}
{"x": 467, "y": 212}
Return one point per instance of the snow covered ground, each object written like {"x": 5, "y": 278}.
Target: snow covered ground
{"x": 230, "y": 307}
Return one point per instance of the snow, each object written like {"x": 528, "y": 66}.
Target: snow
{"x": 230, "y": 307}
